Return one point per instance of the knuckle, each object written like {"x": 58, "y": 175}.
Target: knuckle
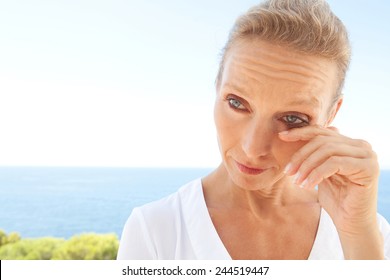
{"x": 370, "y": 154}
{"x": 374, "y": 156}
{"x": 304, "y": 167}
{"x": 335, "y": 129}
{"x": 315, "y": 175}
{"x": 319, "y": 137}
{"x": 364, "y": 144}
{"x": 335, "y": 160}
{"x": 330, "y": 145}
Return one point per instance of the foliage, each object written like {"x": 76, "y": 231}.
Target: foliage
{"x": 11, "y": 238}
{"x": 30, "y": 249}
{"x": 88, "y": 246}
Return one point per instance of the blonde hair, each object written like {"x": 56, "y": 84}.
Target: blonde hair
{"x": 307, "y": 26}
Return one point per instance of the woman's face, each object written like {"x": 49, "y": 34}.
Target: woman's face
{"x": 265, "y": 89}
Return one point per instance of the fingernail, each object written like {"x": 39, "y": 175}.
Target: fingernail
{"x": 296, "y": 177}
{"x": 304, "y": 184}
{"x": 283, "y": 132}
{"x": 287, "y": 168}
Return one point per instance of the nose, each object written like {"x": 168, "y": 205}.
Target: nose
{"x": 257, "y": 140}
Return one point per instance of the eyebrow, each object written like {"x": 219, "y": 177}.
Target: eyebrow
{"x": 235, "y": 87}
{"x": 312, "y": 101}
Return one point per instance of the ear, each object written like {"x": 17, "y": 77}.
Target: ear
{"x": 334, "y": 110}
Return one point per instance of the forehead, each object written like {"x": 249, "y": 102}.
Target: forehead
{"x": 254, "y": 64}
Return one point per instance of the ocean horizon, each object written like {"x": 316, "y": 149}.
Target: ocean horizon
{"x": 64, "y": 201}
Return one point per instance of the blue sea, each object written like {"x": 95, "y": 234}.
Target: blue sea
{"x": 63, "y": 201}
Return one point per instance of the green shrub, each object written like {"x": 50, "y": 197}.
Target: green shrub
{"x": 11, "y": 238}
{"x": 31, "y": 249}
{"x": 88, "y": 246}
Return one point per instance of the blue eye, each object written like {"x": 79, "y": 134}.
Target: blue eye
{"x": 295, "y": 121}
{"x": 235, "y": 104}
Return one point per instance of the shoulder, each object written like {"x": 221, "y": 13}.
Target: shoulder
{"x": 328, "y": 236}
{"x": 152, "y": 230}
{"x": 384, "y": 227}
{"x": 327, "y": 245}
{"x": 172, "y": 205}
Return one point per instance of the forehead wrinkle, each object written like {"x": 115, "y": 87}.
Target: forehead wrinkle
{"x": 247, "y": 72}
{"x": 282, "y": 54}
{"x": 247, "y": 81}
{"x": 311, "y": 100}
{"x": 276, "y": 70}
{"x": 289, "y": 58}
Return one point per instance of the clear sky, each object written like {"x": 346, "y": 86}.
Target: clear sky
{"x": 131, "y": 83}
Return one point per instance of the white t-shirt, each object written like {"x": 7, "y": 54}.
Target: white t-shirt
{"x": 179, "y": 227}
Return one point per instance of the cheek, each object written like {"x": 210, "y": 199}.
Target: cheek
{"x": 283, "y": 151}
{"x": 226, "y": 126}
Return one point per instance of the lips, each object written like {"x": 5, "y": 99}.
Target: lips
{"x": 249, "y": 170}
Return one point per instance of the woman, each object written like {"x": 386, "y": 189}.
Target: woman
{"x": 278, "y": 91}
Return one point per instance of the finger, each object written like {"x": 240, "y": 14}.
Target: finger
{"x": 315, "y": 131}
{"x": 333, "y": 128}
{"x": 311, "y": 161}
{"x": 317, "y": 151}
{"x": 305, "y": 133}
{"x": 345, "y": 166}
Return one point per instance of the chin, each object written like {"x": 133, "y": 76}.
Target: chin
{"x": 262, "y": 181}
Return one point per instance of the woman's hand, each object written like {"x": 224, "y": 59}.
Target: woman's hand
{"x": 346, "y": 171}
